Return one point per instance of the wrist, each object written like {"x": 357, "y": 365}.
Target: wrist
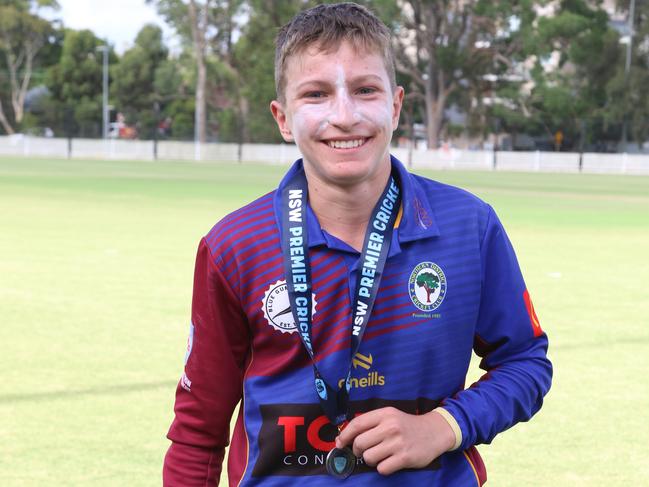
{"x": 455, "y": 439}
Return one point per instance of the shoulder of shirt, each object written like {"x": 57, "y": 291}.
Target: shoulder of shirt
{"x": 440, "y": 195}
{"x": 234, "y": 229}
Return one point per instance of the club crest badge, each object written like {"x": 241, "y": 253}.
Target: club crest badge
{"x": 427, "y": 286}
{"x": 277, "y": 310}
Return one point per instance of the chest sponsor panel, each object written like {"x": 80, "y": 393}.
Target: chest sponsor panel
{"x": 294, "y": 439}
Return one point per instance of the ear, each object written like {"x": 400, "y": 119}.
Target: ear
{"x": 279, "y": 114}
{"x": 397, "y": 103}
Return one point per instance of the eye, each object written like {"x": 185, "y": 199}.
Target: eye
{"x": 314, "y": 94}
{"x": 366, "y": 90}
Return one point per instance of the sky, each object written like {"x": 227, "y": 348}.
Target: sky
{"x": 117, "y": 20}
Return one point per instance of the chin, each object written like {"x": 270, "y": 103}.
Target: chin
{"x": 349, "y": 174}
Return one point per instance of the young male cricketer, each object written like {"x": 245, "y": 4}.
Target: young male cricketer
{"x": 450, "y": 284}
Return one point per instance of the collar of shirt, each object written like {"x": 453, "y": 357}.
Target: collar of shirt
{"x": 417, "y": 220}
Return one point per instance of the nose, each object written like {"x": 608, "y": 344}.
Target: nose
{"x": 343, "y": 111}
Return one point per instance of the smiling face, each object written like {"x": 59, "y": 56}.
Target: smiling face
{"x": 340, "y": 110}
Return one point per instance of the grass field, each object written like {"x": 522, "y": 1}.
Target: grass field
{"x": 96, "y": 262}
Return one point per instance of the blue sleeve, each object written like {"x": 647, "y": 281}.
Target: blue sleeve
{"x": 511, "y": 344}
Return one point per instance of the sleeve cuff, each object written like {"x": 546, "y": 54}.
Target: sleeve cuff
{"x": 453, "y": 424}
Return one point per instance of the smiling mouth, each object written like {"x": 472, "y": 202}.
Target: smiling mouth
{"x": 346, "y": 144}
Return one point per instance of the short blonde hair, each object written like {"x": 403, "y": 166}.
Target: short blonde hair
{"x": 327, "y": 26}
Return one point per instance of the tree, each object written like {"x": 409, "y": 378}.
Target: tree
{"x": 175, "y": 81}
{"x": 629, "y": 101}
{"x": 444, "y": 47}
{"x": 209, "y": 28}
{"x": 75, "y": 83}
{"x": 628, "y": 90}
{"x": 190, "y": 20}
{"x": 133, "y": 80}
{"x": 429, "y": 282}
{"x": 572, "y": 97}
{"x": 22, "y": 35}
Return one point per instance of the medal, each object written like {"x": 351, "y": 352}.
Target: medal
{"x": 340, "y": 462}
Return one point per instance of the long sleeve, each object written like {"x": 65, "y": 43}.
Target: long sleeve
{"x": 512, "y": 346}
{"x": 211, "y": 384}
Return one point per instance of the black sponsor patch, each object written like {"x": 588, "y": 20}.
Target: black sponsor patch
{"x": 295, "y": 438}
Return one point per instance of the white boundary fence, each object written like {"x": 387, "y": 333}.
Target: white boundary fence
{"x": 442, "y": 159}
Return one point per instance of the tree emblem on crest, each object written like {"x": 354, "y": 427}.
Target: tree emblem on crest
{"x": 429, "y": 282}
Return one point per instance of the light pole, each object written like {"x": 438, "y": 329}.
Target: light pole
{"x": 104, "y": 50}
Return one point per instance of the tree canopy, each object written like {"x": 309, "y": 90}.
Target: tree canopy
{"x": 23, "y": 34}
{"x": 520, "y": 68}
{"x": 429, "y": 282}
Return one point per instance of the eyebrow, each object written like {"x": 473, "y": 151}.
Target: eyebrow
{"x": 355, "y": 80}
{"x": 367, "y": 77}
{"x": 312, "y": 82}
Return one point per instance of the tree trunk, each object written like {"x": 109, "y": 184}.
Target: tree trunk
{"x": 4, "y": 122}
{"x": 201, "y": 104}
{"x": 19, "y": 90}
{"x": 23, "y": 61}
{"x": 243, "y": 110}
{"x": 435, "y": 105}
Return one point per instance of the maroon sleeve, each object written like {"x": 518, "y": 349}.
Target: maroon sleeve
{"x": 211, "y": 385}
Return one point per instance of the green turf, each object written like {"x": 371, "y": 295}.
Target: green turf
{"x": 96, "y": 262}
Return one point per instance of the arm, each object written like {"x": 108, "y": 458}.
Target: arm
{"x": 211, "y": 385}
{"x": 512, "y": 346}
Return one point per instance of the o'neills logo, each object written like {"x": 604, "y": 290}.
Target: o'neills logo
{"x": 427, "y": 286}
{"x": 294, "y": 439}
{"x": 277, "y": 310}
{"x": 372, "y": 378}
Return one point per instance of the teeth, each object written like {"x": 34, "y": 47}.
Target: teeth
{"x": 346, "y": 144}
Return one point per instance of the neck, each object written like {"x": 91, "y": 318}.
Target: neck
{"x": 345, "y": 211}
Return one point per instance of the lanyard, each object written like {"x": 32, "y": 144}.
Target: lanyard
{"x": 297, "y": 268}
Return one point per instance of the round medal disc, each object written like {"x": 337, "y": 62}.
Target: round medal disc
{"x": 341, "y": 462}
